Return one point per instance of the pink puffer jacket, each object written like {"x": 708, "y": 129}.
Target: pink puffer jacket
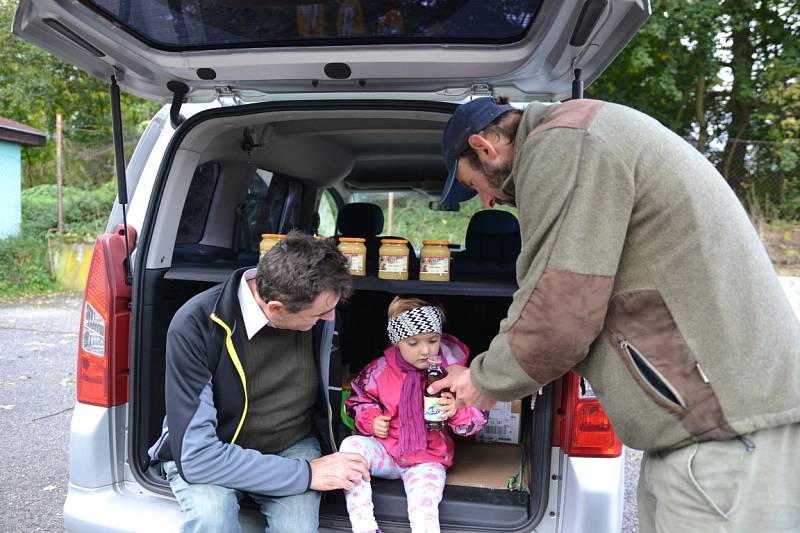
{"x": 376, "y": 391}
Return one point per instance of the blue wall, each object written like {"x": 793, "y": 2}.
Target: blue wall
{"x": 10, "y": 189}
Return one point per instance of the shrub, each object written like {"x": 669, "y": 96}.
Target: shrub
{"x": 26, "y": 266}
{"x": 85, "y": 211}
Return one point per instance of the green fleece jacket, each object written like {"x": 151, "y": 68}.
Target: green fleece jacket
{"x": 641, "y": 271}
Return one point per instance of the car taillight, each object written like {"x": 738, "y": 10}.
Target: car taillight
{"x": 102, "y": 373}
{"x": 584, "y": 429}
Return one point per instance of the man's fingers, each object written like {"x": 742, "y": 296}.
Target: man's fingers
{"x": 358, "y": 464}
{"x": 444, "y": 383}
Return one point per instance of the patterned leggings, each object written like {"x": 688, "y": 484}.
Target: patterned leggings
{"x": 424, "y": 484}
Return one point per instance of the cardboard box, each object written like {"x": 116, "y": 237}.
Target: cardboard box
{"x": 483, "y": 465}
{"x": 504, "y": 423}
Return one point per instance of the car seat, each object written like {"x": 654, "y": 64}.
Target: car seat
{"x": 365, "y": 220}
{"x": 491, "y": 247}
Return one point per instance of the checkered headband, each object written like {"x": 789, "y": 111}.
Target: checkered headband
{"x": 426, "y": 319}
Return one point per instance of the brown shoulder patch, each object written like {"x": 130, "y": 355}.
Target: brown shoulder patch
{"x": 575, "y": 114}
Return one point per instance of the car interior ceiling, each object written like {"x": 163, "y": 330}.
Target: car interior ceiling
{"x": 304, "y": 156}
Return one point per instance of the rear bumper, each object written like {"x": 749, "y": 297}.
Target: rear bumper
{"x": 594, "y": 495}
{"x": 117, "y": 509}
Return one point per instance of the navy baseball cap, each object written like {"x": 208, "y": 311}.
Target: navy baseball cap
{"x": 469, "y": 118}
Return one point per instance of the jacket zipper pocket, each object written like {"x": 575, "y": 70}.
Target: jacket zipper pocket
{"x": 652, "y": 376}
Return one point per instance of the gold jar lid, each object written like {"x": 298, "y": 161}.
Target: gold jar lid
{"x": 437, "y": 243}
{"x": 352, "y": 239}
{"x": 394, "y": 241}
{"x": 273, "y": 236}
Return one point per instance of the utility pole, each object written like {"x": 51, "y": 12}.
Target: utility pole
{"x": 59, "y": 178}
{"x": 390, "y": 213}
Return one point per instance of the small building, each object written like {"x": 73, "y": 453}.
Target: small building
{"x": 13, "y": 135}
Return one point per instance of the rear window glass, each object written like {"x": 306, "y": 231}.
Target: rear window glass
{"x": 208, "y": 24}
{"x": 411, "y": 218}
{"x": 198, "y": 202}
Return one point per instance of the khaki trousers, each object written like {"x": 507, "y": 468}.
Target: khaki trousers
{"x": 750, "y": 485}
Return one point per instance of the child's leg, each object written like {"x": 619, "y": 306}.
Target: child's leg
{"x": 424, "y": 484}
{"x": 359, "y": 498}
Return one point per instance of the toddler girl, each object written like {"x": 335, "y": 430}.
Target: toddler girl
{"x": 387, "y": 406}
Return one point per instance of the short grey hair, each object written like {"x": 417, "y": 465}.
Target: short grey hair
{"x": 301, "y": 267}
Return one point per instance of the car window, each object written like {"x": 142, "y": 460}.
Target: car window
{"x": 208, "y": 24}
{"x": 257, "y": 212}
{"x": 198, "y": 201}
{"x": 411, "y": 218}
{"x": 328, "y": 211}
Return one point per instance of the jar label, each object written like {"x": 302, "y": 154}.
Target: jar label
{"x": 434, "y": 265}
{"x": 393, "y": 263}
{"x": 434, "y": 411}
{"x": 355, "y": 262}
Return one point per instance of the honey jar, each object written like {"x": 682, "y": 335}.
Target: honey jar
{"x": 434, "y": 261}
{"x": 393, "y": 259}
{"x": 268, "y": 240}
{"x": 354, "y": 249}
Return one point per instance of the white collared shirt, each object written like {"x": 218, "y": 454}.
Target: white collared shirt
{"x": 254, "y": 317}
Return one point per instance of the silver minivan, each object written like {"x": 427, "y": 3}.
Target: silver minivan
{"x": 279, "y": 115}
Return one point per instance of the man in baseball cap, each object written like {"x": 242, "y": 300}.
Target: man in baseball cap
{"x": 641, "y": 272}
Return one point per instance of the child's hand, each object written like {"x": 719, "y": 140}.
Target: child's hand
{"x": 380, "y": 426}
{"x": 448, "y": 404}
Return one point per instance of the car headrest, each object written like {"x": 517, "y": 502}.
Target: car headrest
{"x": 493, "y": 235}
{"x": 359, "y": 219}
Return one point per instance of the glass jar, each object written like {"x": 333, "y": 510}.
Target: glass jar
{"x": 268, "y": 240}
{"x": 434, "y": 261}
{"x": 393, "y": 259}
{"x": 354, "y": 249}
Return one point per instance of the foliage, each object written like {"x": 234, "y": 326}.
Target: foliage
{"x": 25, "y": 266}
{"x": 85, "y": 212}
{"x": 726, "y": 76}
{"x": 35, "y": 86}
{"x": 412, "y": 219}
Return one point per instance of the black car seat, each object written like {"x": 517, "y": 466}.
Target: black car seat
{"x": 491, "y": 247}
{"x": 365, "y": 220}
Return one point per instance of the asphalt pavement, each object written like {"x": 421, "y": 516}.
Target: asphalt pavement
{"x": 37, "y": 394}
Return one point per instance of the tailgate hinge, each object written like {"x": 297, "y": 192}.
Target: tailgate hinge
{"x": 227, "y": 96}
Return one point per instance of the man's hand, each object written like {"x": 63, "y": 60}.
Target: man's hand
{"x": 459, "y": 381}
{"x": 338, "y": 471}
{"x": 448, "y": 404}
{"x": 380, "y": 426}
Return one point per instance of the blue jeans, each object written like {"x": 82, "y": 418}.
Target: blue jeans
{"x": 211, "y": 508}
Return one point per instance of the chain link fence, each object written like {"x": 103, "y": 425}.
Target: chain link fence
{"x": 765, "y": 175}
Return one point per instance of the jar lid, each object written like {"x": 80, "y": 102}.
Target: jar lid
{"x": 437, "y": 243}
{"x": 394, "y": 241}
{"x": 273, "y": 236}
{"x": 352, "y": 239}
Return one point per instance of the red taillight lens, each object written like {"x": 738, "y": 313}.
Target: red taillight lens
{"x": 102, "y": 373}
{"x": 585, "y": 428}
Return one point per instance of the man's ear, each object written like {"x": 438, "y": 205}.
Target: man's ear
{"x": 275, "y": 307}
{"x": 482, "y": 145}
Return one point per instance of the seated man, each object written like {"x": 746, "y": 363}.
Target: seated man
{"x": 243, "y": 391}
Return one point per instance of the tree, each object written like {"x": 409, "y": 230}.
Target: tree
{"x": 35, "y": 86}
{"x": 724, "y": 75}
